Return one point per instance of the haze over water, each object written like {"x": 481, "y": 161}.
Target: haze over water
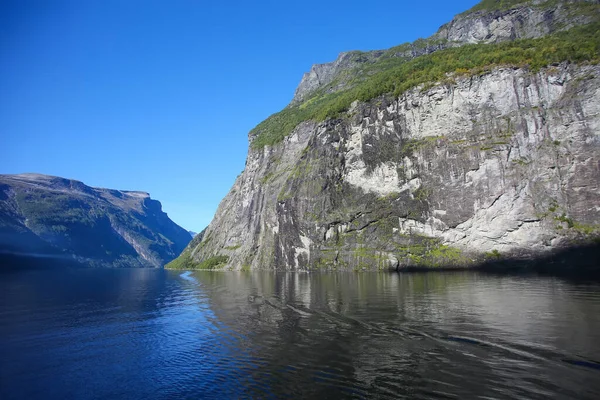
{"x": 172, "y": 334}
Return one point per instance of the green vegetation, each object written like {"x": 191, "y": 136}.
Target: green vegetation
{"x": 55, "y": 210}
{"x": 581, "y": 7}
{"x": 215, "y": 262}
{"x": 267, "y": 178}
{"x": 284, "y": 195}
{"x": 434, "y": 254}
{"x": 583, "y": 229}
{"x": 363, "y": 251}
{"x": 396, "y": 75}
{"x": 411, "y": 145}
{"x": 234, "y": 247}
{"x": 367, "y": 257}
{"x": 563, "y": 218}
{"x": 428, "y": 253}
{"x": 492, "y": 255}
{"x": 388, "y": 198}
{"x": 421, "y": 194}
{"x": 522, "y": 161}
{"x": 572, "y": 226}
{"x": 586, "y": 229}
{"x": 185, "y": 261}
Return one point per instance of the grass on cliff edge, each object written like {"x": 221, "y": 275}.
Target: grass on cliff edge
{"x": 577, "y": 45}
{"x": 502, "y": 5}
{"x": 494, "y": 5}
{"x": 185, "y": 261}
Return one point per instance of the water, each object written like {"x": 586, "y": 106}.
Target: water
{"x": 110, "y": 334}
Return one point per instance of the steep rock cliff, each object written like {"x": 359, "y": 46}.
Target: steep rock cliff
{"x": 51, "y": 218}
{"x": 498, "y": 163}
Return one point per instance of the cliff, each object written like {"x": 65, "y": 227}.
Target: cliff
{"x": 485, "y": 147}
{"x": 62, "y": 221}
{"x": 490, "y": 21}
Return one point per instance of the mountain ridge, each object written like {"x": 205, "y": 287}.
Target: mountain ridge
{"x": 53, "y": 217}
{"x": 516, "y": 19}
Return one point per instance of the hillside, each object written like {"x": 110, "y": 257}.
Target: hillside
{"x": 56, "y": 220}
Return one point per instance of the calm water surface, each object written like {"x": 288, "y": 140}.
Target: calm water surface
{"x": 111, "y": 334}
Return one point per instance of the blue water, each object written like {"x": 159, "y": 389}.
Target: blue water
{"x": 112, "y": 334}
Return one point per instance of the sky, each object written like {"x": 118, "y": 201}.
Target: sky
{"x": 159, "y": 96}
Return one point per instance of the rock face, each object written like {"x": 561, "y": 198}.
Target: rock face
{"x": 54, "y": 218}
{"x": 526, "y": 19}
{"x": 323, "y": 74}
{"x": 454, "y": 173}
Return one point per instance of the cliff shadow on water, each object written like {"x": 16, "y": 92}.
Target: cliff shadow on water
{"x": 577, "y": 262}
{"x": 581, "y": 261}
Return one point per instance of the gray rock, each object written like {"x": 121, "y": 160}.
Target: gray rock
{"x": 529, "y": 19}
{"x": 455, "y": 173}
{"x": 501, "y": 164}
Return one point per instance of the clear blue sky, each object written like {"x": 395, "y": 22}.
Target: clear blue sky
{"x": 159, "y": 96}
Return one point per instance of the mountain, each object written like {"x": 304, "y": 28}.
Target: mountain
{"x": 63, "y": 221}
{"x": 480, "y": 143}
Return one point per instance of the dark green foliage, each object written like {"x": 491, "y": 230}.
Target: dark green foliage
{"x": 185, "y": 261}
{"x": 409, "y": 147}
{"x": 578, "y": 45}
{"x": 421, "y": 194}
{"x": 213, "y": 262}
{"x": 492, "y": 255}
{"x": 565, "y": 219}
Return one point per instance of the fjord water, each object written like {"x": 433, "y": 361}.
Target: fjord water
{"x": 172, "y": 334}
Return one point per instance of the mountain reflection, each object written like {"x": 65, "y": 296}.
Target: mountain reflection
{"x": 173, "y": 334}
{"x": 415, "y": 335}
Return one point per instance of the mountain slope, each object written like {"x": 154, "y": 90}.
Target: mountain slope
{"x": 484, "y": 145}
{"x": 491, "y": 21}
{"x": 56, "y": 218}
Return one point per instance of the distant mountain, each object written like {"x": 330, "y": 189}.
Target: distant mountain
{"x": 193, "y": 233}
{"x": 50, "y": 218}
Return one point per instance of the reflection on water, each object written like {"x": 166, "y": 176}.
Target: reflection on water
{"x": 167, "y": 334}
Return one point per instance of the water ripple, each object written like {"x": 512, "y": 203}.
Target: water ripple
{"x": 159, "y": 334}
